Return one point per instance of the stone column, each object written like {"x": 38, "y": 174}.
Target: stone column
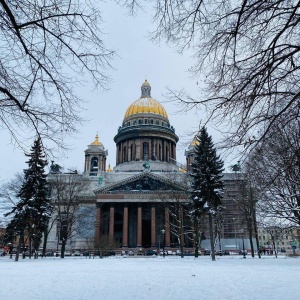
{"x": 125, "y": 227}
{"x": 117, "y": 154}
{"x": 141, "y": 149}
{"x": 139, "y": 227}
{"x": 111, "y": 225}
{"x": 174, "y": 150}
{"x": 153, "y": 228}
{"x": 167, "y": 227}
{"x": 150, "y": 149}
{"x": 86, "y": 163}
{"x": 98, "y": 226}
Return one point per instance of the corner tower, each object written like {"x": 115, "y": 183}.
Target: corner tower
{"x": 95, "y": 158}
{"x": 146, "y": 133}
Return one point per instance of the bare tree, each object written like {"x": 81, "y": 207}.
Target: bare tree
{"x": 246, "y": 202}
{"x": 178, "y": 203}
{"x": 9, "y": 191}
{"x": 246, "y": 55}
{"x": 66, "y": 190}
{"x": 47, "y": 47}
{"x": 276, "y": 165}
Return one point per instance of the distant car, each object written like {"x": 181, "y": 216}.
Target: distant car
{"x": 206, "y": 252}
{"x": 76, "y": 253}
{"x": 109, "y": 253}
{"x": 150, "y": 253}
{"x": 130, "y": 252}
{"x": 50, "y": 253}
{"x": 189, "y": 254}
{"x": 169, "y": 252}
{"x": 68, "y": 253}
{"x": 85, "y": 253}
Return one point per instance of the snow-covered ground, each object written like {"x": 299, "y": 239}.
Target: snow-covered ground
{"x": 230, "y": 277}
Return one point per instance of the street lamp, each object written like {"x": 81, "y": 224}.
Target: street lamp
{"x": 163, "y": 233}
{"x": 244, "y": 254}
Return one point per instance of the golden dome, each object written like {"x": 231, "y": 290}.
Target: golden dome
{"x": 96, "y": 142}
{"x": 146, "y": 105}
{"x": 146, "y": 83}
{"x": 109, "y": 169}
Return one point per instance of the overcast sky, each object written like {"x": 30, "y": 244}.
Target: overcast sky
{"x": 139, "y": 59}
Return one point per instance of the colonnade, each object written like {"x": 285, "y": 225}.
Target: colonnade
{"x": 134, "y": 149}
{"x": 139, "y": 232}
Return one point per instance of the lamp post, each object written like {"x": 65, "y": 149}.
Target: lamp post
{"x": 163, "y": 233}
{"x": 233, "y": 221}
{"x": 244, "y": 254}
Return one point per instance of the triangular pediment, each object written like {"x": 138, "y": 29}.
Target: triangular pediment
{"x": 141, "y": 183}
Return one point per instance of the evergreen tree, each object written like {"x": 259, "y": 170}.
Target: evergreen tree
{"x": 32, "y": 212}
{"x": 206, "y": 185}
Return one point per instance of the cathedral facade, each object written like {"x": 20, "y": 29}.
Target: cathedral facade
{"x": 138, "y": 203}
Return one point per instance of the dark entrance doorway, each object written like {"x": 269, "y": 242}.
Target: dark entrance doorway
{"x": 146, "y": 233}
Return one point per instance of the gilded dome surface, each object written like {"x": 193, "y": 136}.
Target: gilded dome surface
{"x": 146, "y": 104}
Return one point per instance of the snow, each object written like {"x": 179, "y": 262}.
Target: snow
{"x": 229, "y": 277}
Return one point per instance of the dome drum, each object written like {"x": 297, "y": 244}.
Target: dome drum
{"x": 146, "y": 133}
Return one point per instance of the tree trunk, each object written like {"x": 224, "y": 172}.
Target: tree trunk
{"x": 21, "y": 240}
{"x": 45, "y": 242}
{"x": 254, "y": 222}
{"x": 212, "y": 247}
{"x": 63, "y": 247}
{"x": 30, "y": 246}
{"x": 274, "y": 245}
{"x": 250, "y": 238}
{"x": 196, "y": 242}
{"x": 181, "y": 238}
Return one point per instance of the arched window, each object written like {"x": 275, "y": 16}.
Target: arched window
{"x": 94, "y": 164}
{"x": 145, "y": 150}
{"x": 157, "y": 122}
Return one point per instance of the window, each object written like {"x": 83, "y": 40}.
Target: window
{"x": 145, "y": 151}
{"x": 128, "y": 123}
{"x": 162, "y": 123}
{"x": 140, "y": 121}
{"x": 146, "y": 121}
{"x": 94, "y": 164}
{"x": 151, "y": 121}
{"x": 134, "y": 122}
{"x": 157, "y": 122}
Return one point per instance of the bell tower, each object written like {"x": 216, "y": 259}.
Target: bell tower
{"x": 95, "y": 158}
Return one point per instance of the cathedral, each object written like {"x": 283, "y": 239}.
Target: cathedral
{"x": 138, "y": 203}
